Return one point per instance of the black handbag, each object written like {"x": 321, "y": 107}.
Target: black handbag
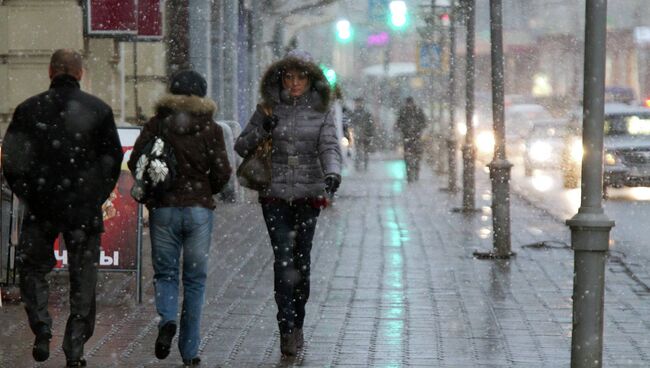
{"x": 255, "y": 170}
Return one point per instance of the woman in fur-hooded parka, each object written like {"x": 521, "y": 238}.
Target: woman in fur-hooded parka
{"x": 306, "y": 166}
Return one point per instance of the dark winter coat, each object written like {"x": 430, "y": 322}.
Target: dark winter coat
{"x": 363, "y": 124}
{"x": 198, "y": 142}
{"x": 305, "y": 144}
{"x": 411, "y": 121}
{"x": 61, "y": 155}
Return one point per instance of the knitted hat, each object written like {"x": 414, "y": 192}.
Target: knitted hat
{"x": 188, "y": 82}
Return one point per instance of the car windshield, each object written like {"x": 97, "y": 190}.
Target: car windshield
{"x": 628, "y": 124}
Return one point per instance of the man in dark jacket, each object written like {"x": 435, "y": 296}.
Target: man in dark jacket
{"x": 364, "y": 131}
{"x": 61, "y": 156}
{"x": 181, "y": 220}
{"x": 411, "y": 121}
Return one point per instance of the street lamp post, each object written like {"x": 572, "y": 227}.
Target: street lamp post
{"x": 451, "y": 93}
{"x": 469, "y": 148}
{"x": 500, "y": 166}
{"x": 590, "y": 227}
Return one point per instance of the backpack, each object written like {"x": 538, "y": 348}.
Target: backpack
{"x": 155, "y": 169}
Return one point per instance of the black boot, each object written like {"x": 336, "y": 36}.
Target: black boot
{"x": 75, "y": 363}
{"x": 194, "y": 362}
{"x": 288, "y": 344}
{"x": 300, "y": 338}
{"x": 41, "y": 348}
{"x": 164, "y": 341}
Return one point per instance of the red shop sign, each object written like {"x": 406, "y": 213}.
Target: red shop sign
{"x": 116, "y": 18}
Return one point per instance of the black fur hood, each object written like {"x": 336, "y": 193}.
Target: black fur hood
{"x": 273, "y": 93}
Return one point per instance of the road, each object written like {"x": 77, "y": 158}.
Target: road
{"x": 628, "y": 207}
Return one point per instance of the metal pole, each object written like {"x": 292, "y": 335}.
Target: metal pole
{"x": 451, "y": 131}
{"x": 500, "y": 166}
{"x": 590, "y": 227}
{"x": 138, "y": 246}
{"x": 230, "y": 59}
{"x": 136, "y": 104}
{"x": 469, "y": 150}
{"x": 217, "y": 60}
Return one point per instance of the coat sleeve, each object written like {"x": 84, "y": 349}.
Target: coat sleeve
{"x": 110, "y": 155}
{"x": 220, "y": 169}
{"x": 252, "y": 135}
{"x": 329, "y": 150}
{"x": 19, "y": 154}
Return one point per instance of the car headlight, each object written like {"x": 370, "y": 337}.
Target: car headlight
{"x": 610, "y": 159}
{"x": 576, "y": 151}
{"x": 461, "y": 128}
{"x": 540, "y": 151}
{"x": 485, "y": 142}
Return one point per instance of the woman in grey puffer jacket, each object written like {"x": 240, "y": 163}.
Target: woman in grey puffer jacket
{"x": 306, "y": 161}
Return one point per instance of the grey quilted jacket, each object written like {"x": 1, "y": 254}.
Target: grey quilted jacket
{"x": 305, "y": 144}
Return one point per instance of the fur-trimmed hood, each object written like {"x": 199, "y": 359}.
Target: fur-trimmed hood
{"x": 186, "y": 114}
{"x": 273, "y": 93}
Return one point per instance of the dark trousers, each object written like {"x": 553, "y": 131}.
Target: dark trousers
{"x": 362, "y": 154}
{"x": 36, "y": 259}
{"x": 291, "y": 228}
{"x": 412, "y": 155}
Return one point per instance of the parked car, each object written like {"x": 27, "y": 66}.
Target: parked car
{"x": 520, "y": 119}
{"x": 544, "y": 145}
{"x": 626, "y": 148}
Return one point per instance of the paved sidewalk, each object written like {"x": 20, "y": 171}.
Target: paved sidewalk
{"x": 394, "y": 285}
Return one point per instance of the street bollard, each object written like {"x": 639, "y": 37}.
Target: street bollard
{"x": 590, "y": 227}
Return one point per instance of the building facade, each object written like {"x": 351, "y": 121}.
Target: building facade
{"x": 30, "y": 30}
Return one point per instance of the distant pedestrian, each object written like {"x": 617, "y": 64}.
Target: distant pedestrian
{"x": 411, "y": 121}
{"x": 306, "y": 160}
{"x": 364, "y": 132}
{"x": 61, "y": 156}
{"x": 181, "y": 219}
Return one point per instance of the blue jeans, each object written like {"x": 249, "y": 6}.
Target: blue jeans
{"x": 176, "y": 229}
{"x": 291, "y": 228}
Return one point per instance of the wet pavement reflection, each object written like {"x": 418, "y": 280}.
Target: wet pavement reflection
{"x": 394, "y": 284}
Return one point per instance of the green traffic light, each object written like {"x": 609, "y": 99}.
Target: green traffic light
{"x": 343, "y": 30}
{"x": 330, "y": 75}
{"x": 398, "y": 17}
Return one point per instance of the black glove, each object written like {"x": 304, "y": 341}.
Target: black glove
{"x": 269, "y": 122}
{"x": 332, "y": 182}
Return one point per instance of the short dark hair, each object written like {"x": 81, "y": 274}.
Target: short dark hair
{"x": 66, "y": 61}
{"x": 358, "y": 99}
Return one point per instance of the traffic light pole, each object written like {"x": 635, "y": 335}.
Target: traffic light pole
{"x": 590, "y": 227}
{"x": 451, "y": 132}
